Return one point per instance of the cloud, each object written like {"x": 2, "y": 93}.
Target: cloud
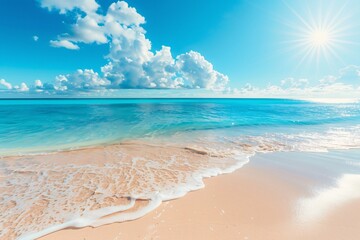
{"x": 350, "y": 74}
{"x": 21, "y": 88}
{"x": 161, "y": 70}
{"x": 120, "y": 21}
{"x": 131, "y": 61}
{"x": 38, "y": 84}
{"x": 338, "y": 86}
{"x": 294, "y": 83}
{"x": 37, "y": 87}
{"x": 199, "y": 72}
{"x": 64, "y": 43}
{"x": 64, "y": 6}
{"x": 121, "y": 12}
{"x": 139, "y": 71}
{"x": 35, "y": 38}
{"x": 5, "y": 84}
{"x": 81, "y": 80}
{"x": 86, "y": 30}
{"x": 40, "y": 87}
{"x": 133, "y": 64}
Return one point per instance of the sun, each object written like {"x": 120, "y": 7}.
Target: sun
{"x": 320, "y": 38}
{"x": 318, "y": 34}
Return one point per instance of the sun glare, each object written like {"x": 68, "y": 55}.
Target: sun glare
{"x": 320, "y": 38}
{"x": 318, "y": 34}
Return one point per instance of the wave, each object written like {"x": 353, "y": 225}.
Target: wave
{"x": 101, "y": 185}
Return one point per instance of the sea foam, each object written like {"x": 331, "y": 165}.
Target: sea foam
{"x": 101, "y": 185}
{"x": 92, "y": 187}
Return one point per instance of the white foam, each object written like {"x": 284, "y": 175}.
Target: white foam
{"x": 57, "y": 182}
{"x": 98, "y": 218}
{"x": 66, "y": 192}
{"x": 153, "y": 204}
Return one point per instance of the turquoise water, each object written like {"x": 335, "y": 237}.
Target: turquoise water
{"x": 191, "y": 139}
{"x": 41, "y": 125}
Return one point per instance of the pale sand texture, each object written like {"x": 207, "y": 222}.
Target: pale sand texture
{"x": 45, "y": 193}
{"x": 255, "y": 202}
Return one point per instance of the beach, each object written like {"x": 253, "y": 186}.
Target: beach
{"x": 258, "y": 201}
{"x": 186, "y": 169}
{"x": 180, "y": 120}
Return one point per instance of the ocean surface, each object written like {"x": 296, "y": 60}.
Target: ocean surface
{"x": 34, "y": 126}
{"x": 90, "y": 162}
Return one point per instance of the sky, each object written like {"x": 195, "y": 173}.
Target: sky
{"x": 138, "y": 48}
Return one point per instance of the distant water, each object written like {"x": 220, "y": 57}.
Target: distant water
{"x": 141, "y": 152}
{"x": 33, "y": 126}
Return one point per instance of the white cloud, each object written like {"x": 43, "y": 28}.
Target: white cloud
{"x": 35, "y": 38}
{"x": 198, "y": 72}
{"x": 22, "y": 88}
{"x": 65, "y": 44}
{"x": 38, "y": 86}
{"x": 328, "y": 79}
{"x": 160, "y": 70}
{"x": 122, "y": 13}
{"x": 132, "y": 63}
{"x": 87, "y": 30}
{"x": 5, "y": 84}
{"x": 38, "y": 83}
{"x": 294, "y": 83}
{"x": 81, "y": 80}
{"x": 156, "y": 71}
{"x": 328, "y": 87}
{"x": 64, "y": 6}
{"x": 91, "y": 27}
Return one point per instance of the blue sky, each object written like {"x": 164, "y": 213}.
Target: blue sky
{"x": 233, "y": 48}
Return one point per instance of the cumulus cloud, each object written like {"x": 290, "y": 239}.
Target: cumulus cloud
{"x": 35, "y": 38}
{"x": 132, "y": 64}
{"x": 5, "y": 84}
{"x": 161, "y": 70}
{"x": 120, "y": 12}
{"x": 346, "y": 84}
{"x": 131, "y": 61}
{"x": 81, "y": 80}
{"x": 69, "y": 5}
{"x": 21, "y": 88}
{"x": 38, "y": 84}
{"x": 199, "y": 72}
{"x": 64, "y": 43}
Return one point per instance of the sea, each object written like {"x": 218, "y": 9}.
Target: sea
{"x": 89, "y": 162}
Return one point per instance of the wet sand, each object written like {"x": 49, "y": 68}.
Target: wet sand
{"x": 45, "y": 193}
{"x": 258, "y": 201}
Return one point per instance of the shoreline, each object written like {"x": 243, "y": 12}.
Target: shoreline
{"x": 84, "y": 187}
{"x": 257, "y": 201}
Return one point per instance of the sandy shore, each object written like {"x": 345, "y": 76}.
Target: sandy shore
{"x": 259, "y": 201}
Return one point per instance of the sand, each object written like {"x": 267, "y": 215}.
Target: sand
{"x": 47, "y": 192}
{"x": 258, "y": 201}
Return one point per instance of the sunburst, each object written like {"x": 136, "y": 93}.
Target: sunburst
{"x": 320, "y": 34}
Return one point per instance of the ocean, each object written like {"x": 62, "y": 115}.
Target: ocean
{"x": 90, "y": 162}
{"x": 35, "y": 126}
